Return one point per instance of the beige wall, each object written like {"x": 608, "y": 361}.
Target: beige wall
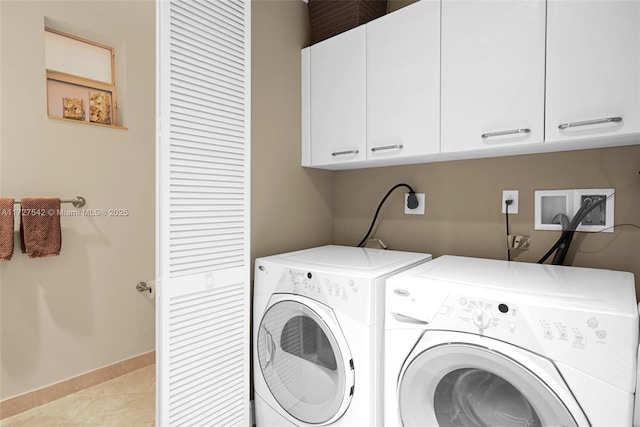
{"x": 292, "y": 207}
{"x": 66, "y": 315}
{"x": 463, "y": 206}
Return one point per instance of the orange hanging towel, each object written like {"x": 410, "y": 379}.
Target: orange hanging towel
{"x": 40, "y": 231}
{"x": 6, "y": 229}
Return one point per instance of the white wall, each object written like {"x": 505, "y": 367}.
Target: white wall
{"x": 66, "y": 315}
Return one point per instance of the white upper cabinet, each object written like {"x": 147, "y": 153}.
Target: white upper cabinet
{"x": 453, "y": 79}
{"x": 403, "y": 83}
{"x": 371, "y": 95}
{"x": 337, "y": 99}
{"x": 493, "y": 74}
{"x": 593, "y": 69}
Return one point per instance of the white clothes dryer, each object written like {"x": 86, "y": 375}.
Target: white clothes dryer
{"x": 317, "y": 335}
{"x": 476, "y": 342}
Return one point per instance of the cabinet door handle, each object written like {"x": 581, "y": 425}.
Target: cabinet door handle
{"x": 505, "y": 132}
{"x": 342, "y": 153}
{"x": 590, "y": 122}
{"x": 388, "y": 147}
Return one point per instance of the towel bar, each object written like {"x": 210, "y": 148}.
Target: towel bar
{"x": 77, "y": 201}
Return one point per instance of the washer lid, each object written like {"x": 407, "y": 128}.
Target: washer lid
{"x": 361, "y": 261}
{"x": 305, "y": 360}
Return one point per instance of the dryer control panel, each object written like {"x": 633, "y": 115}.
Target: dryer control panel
{"x": 348, "y": 295}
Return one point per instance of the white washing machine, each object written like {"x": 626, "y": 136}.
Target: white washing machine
{"x": 476, "y": 342}
{"x": 317, "y": 334}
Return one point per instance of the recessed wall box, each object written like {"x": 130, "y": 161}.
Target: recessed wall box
{"x": 551, "y": 204}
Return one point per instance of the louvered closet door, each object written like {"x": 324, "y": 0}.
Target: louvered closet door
{"x": 202, "y": 305}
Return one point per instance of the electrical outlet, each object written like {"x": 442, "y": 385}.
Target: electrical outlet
{"x": 512, "y": 195}
{"x": 417, "y": 211}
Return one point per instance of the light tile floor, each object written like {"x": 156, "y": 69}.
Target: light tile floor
{"x": 125, "y": 401}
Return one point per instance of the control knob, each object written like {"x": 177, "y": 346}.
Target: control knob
{"x": 481, "y": 318}
{"x": 298, "y": 281}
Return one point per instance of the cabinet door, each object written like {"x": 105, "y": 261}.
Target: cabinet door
{"x": 403, "y": 82}
{"x": 493, "y": 58}
{"x": 593, "y": 68}
{"x": 337, "y": 93}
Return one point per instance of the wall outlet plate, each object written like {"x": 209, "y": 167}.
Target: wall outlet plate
{"x": 417, "y": 211}
{"x": 550, "y": 204}
{"x": 514, "y": 195}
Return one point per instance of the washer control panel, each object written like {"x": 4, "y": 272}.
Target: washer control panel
{"x": 505, "y": 320}
{"x": 579, "y": 334}
{"x": 483, "y": 315}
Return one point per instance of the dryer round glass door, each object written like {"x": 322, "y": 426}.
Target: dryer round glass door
{"x": 305, "y": 361}
{"x": 463, "y": 385}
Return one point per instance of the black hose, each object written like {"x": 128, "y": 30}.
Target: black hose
{"x": 563, "y": 243}
{"x": 567, "y": 235}
{"x": 553, "y": 248}
{"x": 563, "y": 248}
